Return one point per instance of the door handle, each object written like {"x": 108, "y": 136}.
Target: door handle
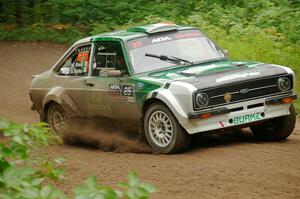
{"x": 89, "y": 82}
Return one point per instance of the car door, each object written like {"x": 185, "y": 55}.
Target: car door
{"x": 110, "y": 96}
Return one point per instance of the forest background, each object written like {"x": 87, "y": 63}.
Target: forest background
{"x": 262, "y": 30}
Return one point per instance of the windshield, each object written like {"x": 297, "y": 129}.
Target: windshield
{"x": 189, "y": 45}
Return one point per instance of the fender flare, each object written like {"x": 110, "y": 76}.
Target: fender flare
{"x": 171, "y": 102}
{"x": 60, "y": 96}
{"x": 53, "y": 95}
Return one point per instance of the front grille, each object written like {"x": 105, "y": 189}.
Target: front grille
{"x": 256, "y": 88}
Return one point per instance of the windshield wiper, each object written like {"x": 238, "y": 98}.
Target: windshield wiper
{"x": 166, "y": 58}
{"x": 211, "y": 60}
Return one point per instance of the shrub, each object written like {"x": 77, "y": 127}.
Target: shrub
{"x": 24, "y": 176}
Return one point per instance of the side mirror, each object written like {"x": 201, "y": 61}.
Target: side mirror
{"x": 226, "y": 53}
{"x": 113, "y": 73}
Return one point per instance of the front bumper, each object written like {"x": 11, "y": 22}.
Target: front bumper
{"x": 238, "y": 114}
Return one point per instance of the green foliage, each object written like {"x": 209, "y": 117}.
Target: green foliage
{"x": 18, "y": 176}
{"x": 26, "y": 174}
{"x": 133, "y": 189}
{"x": 23, "y": 137}
{"x": 91, "y": 189}
{"x": 136, "y": 189}
{"x": 39, "y": 32}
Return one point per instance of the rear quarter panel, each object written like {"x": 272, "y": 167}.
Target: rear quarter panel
{"x": 40, "y": 87}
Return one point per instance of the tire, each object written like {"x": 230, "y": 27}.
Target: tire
{"x": 57, "y": 119}
{"x": 162, "y": 130}
{"x": 276, "y": 129}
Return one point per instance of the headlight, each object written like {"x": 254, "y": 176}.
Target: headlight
{"x": 284, "y": 84}
{"x": 201, "y": 99}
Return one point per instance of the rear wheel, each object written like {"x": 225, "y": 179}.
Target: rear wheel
{"x": 163, "y": 132}
{"x": 57, "y": 119}
{"x": 276, "y": 129}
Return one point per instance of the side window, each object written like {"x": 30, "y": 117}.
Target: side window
{"x": 108, "y": 56}
{"x": 77, "y": 63}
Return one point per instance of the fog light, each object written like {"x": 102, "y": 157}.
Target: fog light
{"x": 287, "y": 100}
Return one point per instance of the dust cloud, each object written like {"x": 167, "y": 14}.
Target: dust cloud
{"x": 104, "y": 134}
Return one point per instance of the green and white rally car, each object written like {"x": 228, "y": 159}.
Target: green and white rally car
{"x": 171, "y": 80}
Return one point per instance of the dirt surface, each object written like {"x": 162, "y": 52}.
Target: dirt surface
{"x": 231, "y": 166}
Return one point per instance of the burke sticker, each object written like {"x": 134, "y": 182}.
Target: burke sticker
{"x": 246, "y": 118}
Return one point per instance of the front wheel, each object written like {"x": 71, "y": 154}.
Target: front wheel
{"x": 276, "y": 129}
{"x": 162, "y": 130}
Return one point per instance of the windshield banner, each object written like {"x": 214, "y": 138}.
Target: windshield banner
{"x": 163, "y": 37}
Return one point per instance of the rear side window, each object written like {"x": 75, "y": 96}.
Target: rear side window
{"x": 76, "y": 63}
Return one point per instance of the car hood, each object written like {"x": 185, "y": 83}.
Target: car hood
{"x": 216, "y": 73}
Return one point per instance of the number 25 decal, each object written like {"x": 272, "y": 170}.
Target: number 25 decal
{"x": 127, "y": 91}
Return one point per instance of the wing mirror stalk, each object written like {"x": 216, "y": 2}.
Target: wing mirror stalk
{"x": 226, "y": 53}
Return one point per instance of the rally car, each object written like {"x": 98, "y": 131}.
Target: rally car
{"x": 172, "y": 80}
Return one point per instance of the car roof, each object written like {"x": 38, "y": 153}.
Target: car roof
{"x": 136, "y": 32}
